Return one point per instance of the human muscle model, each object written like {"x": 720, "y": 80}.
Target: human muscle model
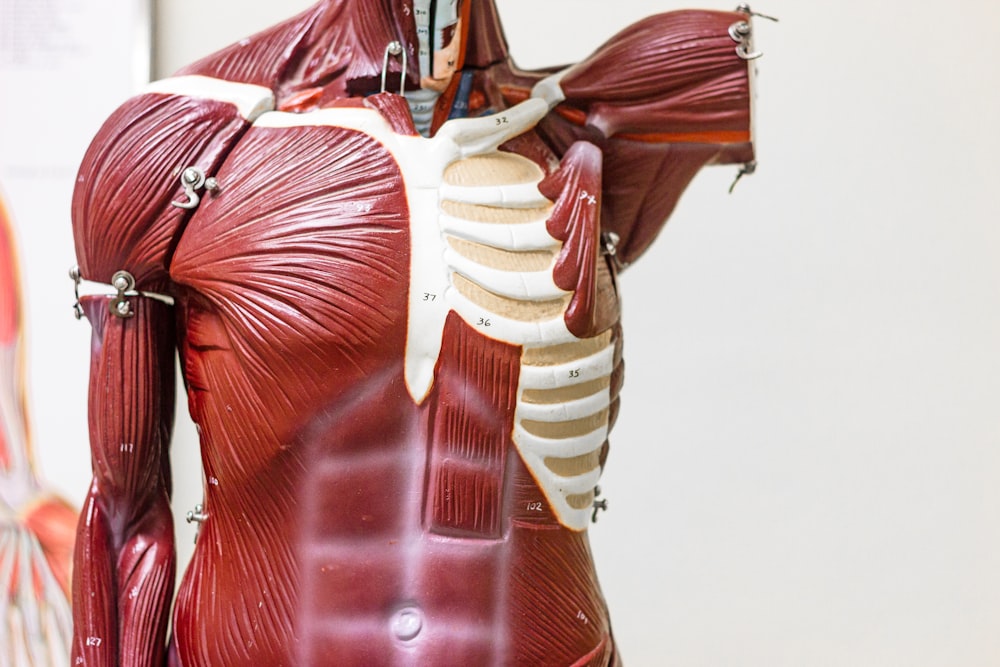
{"x": 387, "y": 259}
{"x": 36, "y": 527}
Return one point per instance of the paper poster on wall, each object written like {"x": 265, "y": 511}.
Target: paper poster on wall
{"x": 64, "y": 67}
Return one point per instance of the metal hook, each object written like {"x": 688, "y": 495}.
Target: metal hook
{"x": 742, "y": 33}
{"x": 74, "y": 275}
{"x": 394, "y": 48}
{"x": 193, "y": 179}
{"x": 743, "y": 52}
{"x": 746, "y": 170}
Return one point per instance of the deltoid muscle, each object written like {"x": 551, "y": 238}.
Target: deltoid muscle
{"x": 398, "y": 324}
{"x": 36, "y": 528}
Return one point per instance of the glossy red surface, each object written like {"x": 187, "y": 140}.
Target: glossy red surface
{"x": 348, "y": 523}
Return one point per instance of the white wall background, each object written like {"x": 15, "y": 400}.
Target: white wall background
{"x": 806, "y": 470}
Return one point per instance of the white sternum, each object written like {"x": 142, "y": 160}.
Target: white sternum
{"x": 499, "y": 257}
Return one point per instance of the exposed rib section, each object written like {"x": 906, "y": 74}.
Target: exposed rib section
{"x": 566, "y": 429}
{"x": 578, "y": 348}
{"x": 517, "y": 285}
{"x": 560, "y": 447}
{"x": 598, "y": 365}
{"x": 566, "y": 411}
{"x": 507, "y": 247}
{"x": 493, "y": 169}
{"x": 500, "y": 328}
{"x": 504, "y": 260}
{"x": 569, "y": 393}
{"x": 520, "y": 195}
{"x": 581, "y": 501}
{"x": 493, "y": 214}
{"x": 517, "y": 237}
{"x": 564, "y": 486}
{"x": 562, "y": 420}
{"x": 575, "y": 465}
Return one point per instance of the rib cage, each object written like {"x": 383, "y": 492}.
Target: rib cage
{"x": 482, "y": 248}
{"x": 496, "y": 240}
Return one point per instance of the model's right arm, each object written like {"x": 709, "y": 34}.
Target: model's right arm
{"x": 123, "y": 220}
{"x": 124, "y": 559}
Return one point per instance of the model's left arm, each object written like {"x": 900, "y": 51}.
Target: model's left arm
{"x": 141, "y": 178}
{"x": 661, "y": 99}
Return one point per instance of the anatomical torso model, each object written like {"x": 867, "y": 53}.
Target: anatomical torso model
{"x": 398, "y": 327}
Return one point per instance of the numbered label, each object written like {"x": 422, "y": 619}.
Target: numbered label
{"x": 534, "y": 507}
{"x": 575, "y": 373}
{"x": 430, "y": 296}
{"x": 484, "y": 322}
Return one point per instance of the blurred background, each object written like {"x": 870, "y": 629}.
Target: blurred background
{"x": 806, "y": 469}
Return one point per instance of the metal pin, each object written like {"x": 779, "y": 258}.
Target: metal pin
{"x": 124, "y": 284}
{"x": 740, "y": 31}
{"x": 197, "y": 516}
{"x": 609, "y": 243}
{"x": 192, "y": 180}
{"x": 394, "y": 48}
{"x": 599, "y": 505}
{"x": 74, "y": 275}
{"x": 609, "y": 248}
